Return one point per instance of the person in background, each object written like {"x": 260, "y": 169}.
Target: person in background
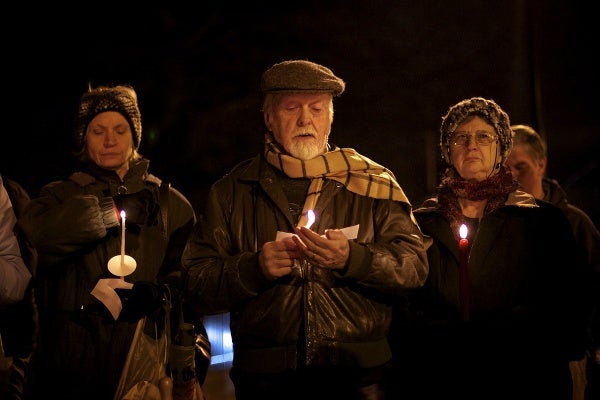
{"x": 501, "y": 314}
{"x": 19, "y": 321}
{"x": 528, "y": 162}
{"x": 14, "y": 274}
{"x": 310, "y": 301}
{"x": 15, "y": 281}
{"x": 74, "y": 225}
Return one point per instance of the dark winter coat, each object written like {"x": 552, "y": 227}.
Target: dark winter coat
{"x": 526, "y": 286}
{"x": 74, "y": 228}
{"x": 586, "y": 234}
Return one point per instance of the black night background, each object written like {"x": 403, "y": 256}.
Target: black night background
{"x": 197, "y": 69}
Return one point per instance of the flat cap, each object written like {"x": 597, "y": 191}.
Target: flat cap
{"x": 297, "y": 76}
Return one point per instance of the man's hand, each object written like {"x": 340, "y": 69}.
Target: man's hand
{"x": 276, "y": 258}
{"x": 329, "y": 251}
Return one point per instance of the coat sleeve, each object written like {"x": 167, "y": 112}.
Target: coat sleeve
{"x": 59, "y": 224}
{"x": 398, "y": 254}
{"x": 14, "y": 274}
{"x": 216, "y": 270}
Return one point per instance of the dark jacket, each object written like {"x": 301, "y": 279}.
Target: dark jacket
{"x": 340, "y": 319}
{"x": 526, "y": 281}
{"x": 586, "y": 234}
{"x": 18, "y": 322}
{"x": 584, "y": 229}
{"x": 74, "y": 228}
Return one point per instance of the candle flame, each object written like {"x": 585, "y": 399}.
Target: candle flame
{"x": 462, "y": 231}
{"x": 311, "y": 218}
{"x": 122, "y": 214}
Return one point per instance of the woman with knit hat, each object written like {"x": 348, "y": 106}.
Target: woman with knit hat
{"x": 499, "y": 316}
{"x": 77, "y": 227}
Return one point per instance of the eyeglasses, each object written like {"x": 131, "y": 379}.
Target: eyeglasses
{"x": 482, "y": 138}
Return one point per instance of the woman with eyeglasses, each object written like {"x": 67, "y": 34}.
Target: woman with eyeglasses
{"x": 501, "y": 313}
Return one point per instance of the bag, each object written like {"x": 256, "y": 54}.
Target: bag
{"x": 173, "y": 371}
{"x": 182, "y": 365}
{"x": 144, "y": 375}
{"x": 189, "y": 357}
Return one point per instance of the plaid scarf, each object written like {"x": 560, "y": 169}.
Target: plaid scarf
{"x": 495, "y": 189}
{"x": 357, "y": 173}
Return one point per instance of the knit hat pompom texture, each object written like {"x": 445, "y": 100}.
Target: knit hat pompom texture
{"x": 297, "y": 76}
{"x": 484, "y": 108}
{"x": 122, "y": 99}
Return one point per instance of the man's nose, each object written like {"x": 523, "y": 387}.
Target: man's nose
{"x": 304, "y": 118}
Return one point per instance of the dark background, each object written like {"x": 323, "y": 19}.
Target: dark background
{"x": 197, "y": 70}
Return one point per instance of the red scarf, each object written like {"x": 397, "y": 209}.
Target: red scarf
{"x": 495, "y": 189}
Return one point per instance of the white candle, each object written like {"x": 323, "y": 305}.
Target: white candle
{"x": 122, "y": 237}
{"x": 123, "y": 265}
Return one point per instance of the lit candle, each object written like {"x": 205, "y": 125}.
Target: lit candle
{"x": 122, "y": 238}
{"x": 311, "y": 218}
{"x": 122, "y": 265}
{"x": 463, "y": 250}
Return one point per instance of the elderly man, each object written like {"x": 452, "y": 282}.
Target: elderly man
{"x": 306, "y": 245}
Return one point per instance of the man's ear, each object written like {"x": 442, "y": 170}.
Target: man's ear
{"x": 267, "y": 119}
{"x": 543, "y": 163}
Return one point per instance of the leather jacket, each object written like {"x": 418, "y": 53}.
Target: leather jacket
{"x": 316, "y": 316}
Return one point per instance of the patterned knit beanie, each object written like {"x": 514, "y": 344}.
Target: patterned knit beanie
{"x": 484, "y": 108}
{"x": 122, "y": 99}
{"x": 297, "y": 76}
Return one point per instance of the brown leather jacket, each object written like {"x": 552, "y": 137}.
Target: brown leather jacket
{"x": 339, "y": 319}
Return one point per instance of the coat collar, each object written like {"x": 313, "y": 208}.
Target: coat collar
{"x": 434, "y": 224}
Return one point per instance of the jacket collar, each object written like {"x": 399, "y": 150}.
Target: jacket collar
{"x": 133, "y": 181}
{"x": 430, "y": 220}
{"x": 260, "y": 172}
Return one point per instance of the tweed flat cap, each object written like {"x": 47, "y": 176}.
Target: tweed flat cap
{"x": 297, "y": 76}
{"x": 484, "y": 108}
{"x": 119, "y": 98}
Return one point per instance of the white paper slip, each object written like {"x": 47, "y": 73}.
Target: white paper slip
{"x": 351, "y": 232}
{"x": 105, "y": 292}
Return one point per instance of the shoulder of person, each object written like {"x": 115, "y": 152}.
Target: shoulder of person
{"x": 547, "y": 206}
{"x": 17, "y": 194}
{"x": 427, "y": 205}
{"x": 82, "y": 178}
{"x": 577, "y": 212}
{"x": 153, "y": 179}
{"x": 247, "y": 165}
{"x": 581, "y": 219}
{"x": 520, "y": 198}
{"x": 251, "y": 169}
{"x": 552, "y": 216}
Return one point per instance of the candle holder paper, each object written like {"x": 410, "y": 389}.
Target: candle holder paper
{"x": 126, "y": 268}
